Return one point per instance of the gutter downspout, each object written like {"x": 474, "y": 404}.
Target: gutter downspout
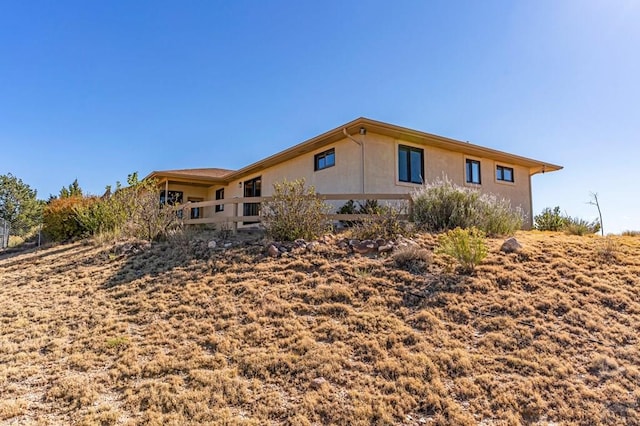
{"x": 361, "y": 155}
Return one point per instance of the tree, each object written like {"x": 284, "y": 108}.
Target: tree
{"x": 19, "y": 205}
{"x": 73, "y": 190}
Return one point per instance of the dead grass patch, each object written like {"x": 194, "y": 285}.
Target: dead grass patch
{"x": 177, "y": 334}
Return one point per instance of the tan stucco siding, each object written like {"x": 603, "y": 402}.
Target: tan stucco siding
{"x": 381, "y": 165}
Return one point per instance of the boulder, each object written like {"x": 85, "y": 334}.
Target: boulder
{"x": 212, "y": 244}
{"x": 510, "y": 245}
{"x": 273, "y": 251}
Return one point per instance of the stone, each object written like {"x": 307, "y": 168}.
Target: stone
{"x": 510, "y": 245}
{"x": 212, "y": 244}
{"x": 273, "y": 251}
{"x": 385, "y": 248}
{"x": 227, "y": 245}
{"x": 318, "y": 382}
{"x": 365, "y": 247}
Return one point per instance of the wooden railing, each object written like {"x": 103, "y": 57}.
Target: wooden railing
{"x": 234, "y": 218}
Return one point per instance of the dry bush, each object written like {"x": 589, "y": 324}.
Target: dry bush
{"x": 294, "y": 211}
{"x": 380, "y": 222}
{"x": 73, "y": 391}
{"x": 414, "y": 259}
{"x": 443, "y": 205}
{"x": 10, "y": 408}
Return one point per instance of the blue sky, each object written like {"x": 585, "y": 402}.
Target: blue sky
{"x": 96, "y": 90}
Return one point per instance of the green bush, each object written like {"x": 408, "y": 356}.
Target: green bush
{"x": 443, "y": 205}
{"x": 549, "y": 220}
{"x": 294, "y": 212}
{"x": 60, "y": 219}
{"x": 466, "y": 246}
{"x": 577, "y": 226}
{"x": 552, "y": 220}
{"x": 132, "y": 211}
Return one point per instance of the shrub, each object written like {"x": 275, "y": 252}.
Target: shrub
{"x": 294, "y": 212}
{"x": 383, "y": 222}
{"x": 60, "y": 218}
{"x": 466, "y": 246}
{"x": 413, "y": 259}
{"x": 630, "y": 233}
{"x": 577, "y": 226}
{"x": 549, "y": 220}
{"x": 133, "y": 211}
{"x": 442, "y": 205}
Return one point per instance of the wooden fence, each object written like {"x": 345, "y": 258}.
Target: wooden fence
{"x": 235, "y": 218}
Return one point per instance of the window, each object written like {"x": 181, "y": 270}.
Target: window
{"x": 219, "y": 196}
{"x": 324, "y": 159}
{"x": 504, "y": 173}
{"x": 175, "y": 197}
{"x": 252, "y": 188}
{"x": 410, "y": 164}
{"x": 473, "y": 171}
{"x": 196, "y": 212}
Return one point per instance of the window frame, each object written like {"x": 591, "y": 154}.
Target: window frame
{"x": 468, "y": 171}
{"x": 219, "y": 195}
{"x": 323, "y": 156}
{"x": 409, "y": 149}
{"x": 500, "y": 169}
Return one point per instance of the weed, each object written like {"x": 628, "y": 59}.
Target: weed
{"x": 578, "y": 226}
{"x": 466, "y": 246}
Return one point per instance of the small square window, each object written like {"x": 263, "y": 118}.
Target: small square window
{"x": 324, "y": 159}
{"x": 504, "y": 173}
{"x": 473, "y": 171}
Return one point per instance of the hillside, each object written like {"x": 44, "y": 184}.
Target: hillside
{"x": 176, "y": 333}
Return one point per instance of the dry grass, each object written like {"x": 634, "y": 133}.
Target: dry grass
{"x": 176, "y": 334}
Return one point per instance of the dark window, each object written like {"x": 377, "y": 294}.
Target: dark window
{"x": 324, "y": 159}
{"x": 410, "y": 164}
{"x": 504, "y": 173}
{"x": 219, "y": 196}
{"x": 252, "y": 188}
{"x": 175, "y": 197}
{"x": 196, "y": 212}
{"x": 473, "y": 171}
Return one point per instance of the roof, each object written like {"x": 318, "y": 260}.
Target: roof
{"x": 353, "y": 127}
{"x": 204, "y": 176}
{"x": 410, "y": 135}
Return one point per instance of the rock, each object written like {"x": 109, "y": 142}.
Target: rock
{"x": 365, "y": 247}
{"x": 510, "y": 245}
{"x": 318, "y": 382}
{"x": 227, "y": 245}
{"x": 311, "y": 246}
{"x": 212, "y": 244}
{"x": 385, "y": 248}
{"x": 273, "y": 251}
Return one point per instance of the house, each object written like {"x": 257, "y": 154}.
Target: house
{"x": 363, "y": 156}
